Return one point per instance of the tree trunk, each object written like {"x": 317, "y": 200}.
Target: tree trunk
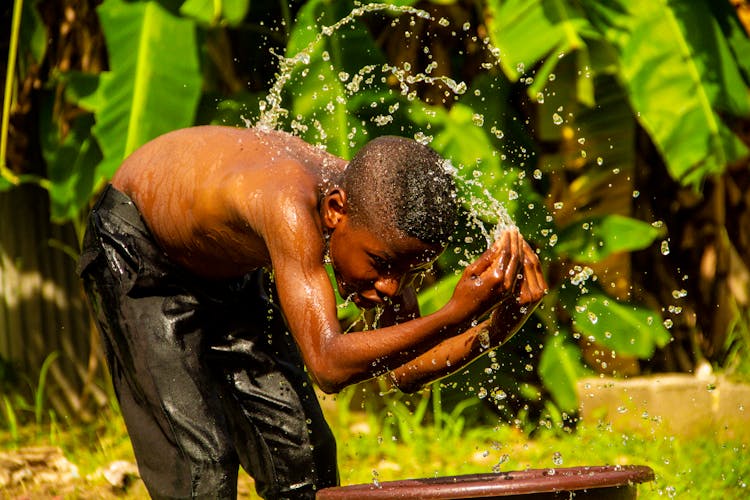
{"x": 42, "y": 308}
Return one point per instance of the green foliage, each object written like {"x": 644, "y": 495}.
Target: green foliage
{"x": 154, "y": 81}
{"x": 211, "y": 12}
{"x": 560, "y": 366}
{"x": 560, "y": 70}
{"x": 668, "y": 54}
{"x": 599, "y": 237}
{"x": 626, "y": 329}
{"x": 21, "y": 407}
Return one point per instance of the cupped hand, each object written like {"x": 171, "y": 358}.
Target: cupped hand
{"x": 510, "y": 314}
{"x": 492, "y": 277}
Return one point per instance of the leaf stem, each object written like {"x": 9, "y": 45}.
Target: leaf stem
{"x": 9, "y": 83}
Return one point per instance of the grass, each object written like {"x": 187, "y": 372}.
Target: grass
{"x": 416, "y": 438}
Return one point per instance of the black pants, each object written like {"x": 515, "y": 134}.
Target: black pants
{"x": 206, "y": 373}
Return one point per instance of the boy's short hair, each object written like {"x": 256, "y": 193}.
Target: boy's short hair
{"x": 394, "y": 182}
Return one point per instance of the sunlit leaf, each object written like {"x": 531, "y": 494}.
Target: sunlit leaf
{"x": 331, "y": 67}
{"x": 212, "y": 12}
{"x": 154, "y": 82}
{"x": 679, "y": 71}
{"x": 527, "y": 32}
{"x": 625, "y": 328}
{"x": 595, "y": 239}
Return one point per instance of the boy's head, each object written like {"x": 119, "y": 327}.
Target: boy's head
{"x": 391, "y": 215}
{"x": 397, "y": 184}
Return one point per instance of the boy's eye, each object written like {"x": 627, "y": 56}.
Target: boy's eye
{"x": 380, "y": 263}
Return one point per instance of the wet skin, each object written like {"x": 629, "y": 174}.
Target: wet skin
{"x": 223, "y": 201}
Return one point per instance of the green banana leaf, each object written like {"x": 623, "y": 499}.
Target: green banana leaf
{"x": 526, "y": 32}
{"x": 154, "y": 82}
{"x": 599, "y": 237}
{"x": 212, "y": 12}
{"x": 560, "y": 366}
{"x": 625, "y": 328}
{"x": 326, "y": 75}
{"x": 680, "y": 74}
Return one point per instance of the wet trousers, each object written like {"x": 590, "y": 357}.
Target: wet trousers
{"x": 207, "y": 376}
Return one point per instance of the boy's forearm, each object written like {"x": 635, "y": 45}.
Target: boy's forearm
{"x": 443, "y": 359}
{"x": 457, "y": 351}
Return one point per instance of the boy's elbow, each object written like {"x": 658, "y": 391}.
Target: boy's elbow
{"x": 328, "y": 379}
{"x": 329, "y": 387}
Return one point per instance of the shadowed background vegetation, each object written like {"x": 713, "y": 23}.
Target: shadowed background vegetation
{"x": 615, "y": 132}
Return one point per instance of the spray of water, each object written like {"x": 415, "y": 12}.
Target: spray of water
{"x": 484, "y": 208}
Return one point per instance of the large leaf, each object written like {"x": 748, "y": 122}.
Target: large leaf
{"x": 154, "y": 82}
{"x": 560, "y": 366}
{"x": 526, "y": 32}
{"x": 598, "y": 237}
{"x": 212, "y": 12}
{"x": 625, "y": 328}
{"x": 329, "y": 65}
{"x": 679, "y": 72}
{"x": 71, "y": 163}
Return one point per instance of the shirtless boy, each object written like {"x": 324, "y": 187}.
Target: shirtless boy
{"x": 211, "y": 359}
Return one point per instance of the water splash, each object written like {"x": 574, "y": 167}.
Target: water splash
{"x": 271, "y": 109}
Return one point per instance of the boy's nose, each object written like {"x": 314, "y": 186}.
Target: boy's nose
{"x": 388, "y": 286}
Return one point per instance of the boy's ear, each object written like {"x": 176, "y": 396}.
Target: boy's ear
{"x": 334, "y": 208}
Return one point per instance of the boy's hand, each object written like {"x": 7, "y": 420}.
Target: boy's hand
{"x": 508, "y": 317}
{"x": 491, "y": 278}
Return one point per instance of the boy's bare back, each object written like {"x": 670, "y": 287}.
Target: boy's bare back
{"x": 213, "y": 196}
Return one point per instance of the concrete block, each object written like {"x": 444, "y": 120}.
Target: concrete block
{"x": 676, "y": 404}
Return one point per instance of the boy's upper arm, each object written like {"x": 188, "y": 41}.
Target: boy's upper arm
{"x": 305, "y": 293}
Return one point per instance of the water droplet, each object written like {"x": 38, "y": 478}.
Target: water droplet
{"x": 665, "y": 247}
{"x": 558, "y": 205}
{"x": 503, "y": 458}
{"x": 443, "y": 22}
{"x": 482, "y": 393}
{"x": 422, "y": 138}
{"x": 512, "y": 195}
{"x": 553, "y": 240}
{"x": 375, "y": 480}
{"x": 678, "y": 294}
{"x": 668, "y": 323}
{"x": 537, "y": 174}
{"x": 499, "y": 394}
{"x": 593, "y": 318}
{"x": 478, "y": 119}
{"x": 539, "y": 97}
{"x": 557, "y": 119}
{"x": 636, "y": 193}
{"x": 484, "y": 339}
{"x": 557, "y": 458}
{"x": 528, "y": 368}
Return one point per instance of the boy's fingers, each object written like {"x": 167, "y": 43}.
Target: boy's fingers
{"x": 485, "y": 260}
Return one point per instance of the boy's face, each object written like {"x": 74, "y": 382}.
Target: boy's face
{"x": 369, "y": 268}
